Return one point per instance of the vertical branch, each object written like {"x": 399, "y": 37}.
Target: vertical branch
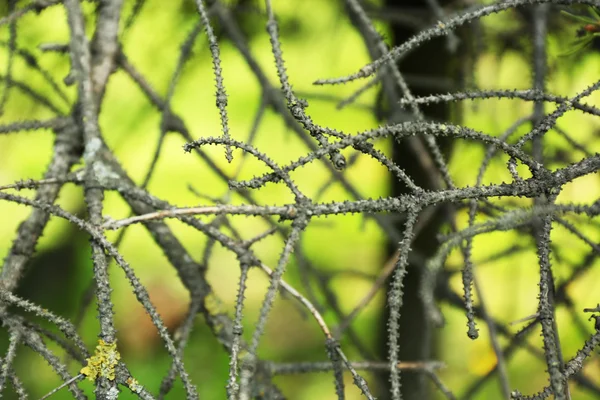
{"x": 91, "y": 83}
{"x": 12, "y": 49}
{"x": 546, "y": 313}
{"x": 469, "y": 277}
{"x": 543, "y": 226}
{"x": 232, "y": 385}
{"x": 295, "y": 105}
{"x": 7, "y": 361}
{"x": 104, "y": 45}
{"x": 221, "y": 94}
{"x": 183, "y": 335}
{"x": 248, "y": 366}
{"x": 395, "y": 301}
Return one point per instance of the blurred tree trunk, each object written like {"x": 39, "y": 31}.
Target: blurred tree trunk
{"x": 431, "y": 60}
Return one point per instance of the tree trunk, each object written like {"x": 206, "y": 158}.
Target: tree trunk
{"x": 431, "y": 60}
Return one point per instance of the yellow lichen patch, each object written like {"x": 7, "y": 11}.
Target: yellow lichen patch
{"x": 134, "y": 385}
{"x": 103, "y": 362}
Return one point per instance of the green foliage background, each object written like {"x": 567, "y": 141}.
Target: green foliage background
{"x": 318, "y": 42}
